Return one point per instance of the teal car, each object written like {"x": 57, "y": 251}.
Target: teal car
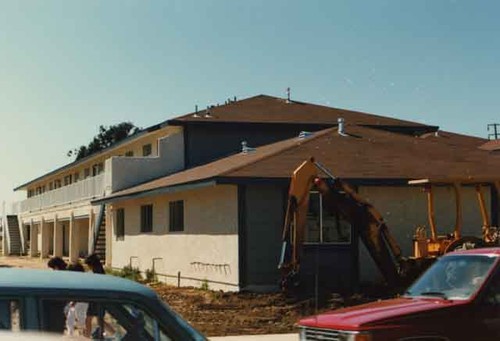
{"x": 86, "y": 306}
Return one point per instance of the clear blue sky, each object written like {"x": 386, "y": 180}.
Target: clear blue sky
{"x": 67, "y": 67}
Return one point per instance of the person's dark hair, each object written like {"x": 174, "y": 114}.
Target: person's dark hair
{"x": 94, "y": 262}
{"x": 75, "y": 266}
{"x": 57, "y": 263}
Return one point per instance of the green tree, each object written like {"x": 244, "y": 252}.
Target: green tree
{"x": 106, "y": 137}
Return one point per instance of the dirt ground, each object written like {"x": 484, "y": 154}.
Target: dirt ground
{"x": 217, "y": 313}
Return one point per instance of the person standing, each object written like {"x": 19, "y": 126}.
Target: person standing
{"x": 94, "y": 263}
{"x": 53, "y": 310}
{"x": 76, "y": 312}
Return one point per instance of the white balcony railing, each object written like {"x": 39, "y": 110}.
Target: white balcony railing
{"x": 120, "y": 173}
{"x": 87, "y": 189}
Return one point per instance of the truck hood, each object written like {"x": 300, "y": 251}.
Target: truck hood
{"x": 376, "y": 313}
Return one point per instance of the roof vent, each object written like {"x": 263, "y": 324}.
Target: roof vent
{"x": 436, "y": 133}
{"x": 245, "y": 149}
{"x": 207, "y": 113}
{"x": 305, "y": 134}
{"x": 288, "y": 95}
{"x": 196, "y": 111}
{"x": 341, "y": 126}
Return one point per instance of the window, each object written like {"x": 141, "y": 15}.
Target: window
{"x": 120, "y": 224}
{"x": 10, "y": 315}
{"x": 147, "y": 149}
{"x": 323, "y": 226}
{"x": 86, "y": 173}
{"x": 76, "y": 177}
{"x": 67, "y": 180}
{"x": 57, "y": 183}
{"x": 110, "y": 320}
{"x": 176, "y": 216}
{"x": 97, "y": 169}
{"x": 130, "y": 153}
{"x": 51, "y": 186}
{"x": 147, "y": 218}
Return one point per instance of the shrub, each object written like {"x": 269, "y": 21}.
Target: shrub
{"x": 204, "y": 285}
{"x": 151, "y": 276}
{"x": 113, "y": 272}
{"x": 129, "y": 272}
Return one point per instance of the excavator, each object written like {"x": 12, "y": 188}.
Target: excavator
{"x": 339, "y": 197}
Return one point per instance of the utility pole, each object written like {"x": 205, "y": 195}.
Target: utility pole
{"x": 495, "y": 127}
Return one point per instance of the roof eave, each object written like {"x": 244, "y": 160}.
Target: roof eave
{"x": 157, "y": 191}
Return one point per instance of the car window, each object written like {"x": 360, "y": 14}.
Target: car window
{"x": 97, "y": 319}
{"x": 10, "y": 315}
{"x": 492, "y": 296}
{"x": 453, "y": 277}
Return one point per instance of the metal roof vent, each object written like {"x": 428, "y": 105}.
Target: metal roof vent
{"x": 305, "y": 134}
{"x": 196, "y": 111}
{"x": 207, "y": 113}
{"x": 245, "y": 149}
{"x": 341, "y": 127}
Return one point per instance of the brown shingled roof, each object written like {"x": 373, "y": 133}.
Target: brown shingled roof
{"x": 365, "y": 154}
{"x": 454, "y": 138}
{"x": 268, "y": 109}
{"x": 492, "y": 145}
{"x": 376, "y": 154}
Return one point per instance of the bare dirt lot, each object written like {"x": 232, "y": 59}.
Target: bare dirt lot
{"x": 217, "y": 313}
{"x": 221, "y": 313}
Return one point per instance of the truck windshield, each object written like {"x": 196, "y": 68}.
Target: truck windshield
{"x": 453, "y": 277}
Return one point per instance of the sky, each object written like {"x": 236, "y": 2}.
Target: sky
{"x": 67, "y": 67}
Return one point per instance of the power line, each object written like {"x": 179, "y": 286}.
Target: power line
{"x": 495, "y": 127}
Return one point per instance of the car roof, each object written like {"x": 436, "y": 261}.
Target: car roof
{"x": 34, "y": 279}
{"x": 487, "y": 251}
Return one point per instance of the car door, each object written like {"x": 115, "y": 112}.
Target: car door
{"x": 487, "y": 309}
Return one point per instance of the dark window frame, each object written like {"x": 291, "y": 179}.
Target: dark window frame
{"x": 146, "y": 218}
{"x": 176, "y": 216}
{"x": 322, "y": 227}
{"x": 120, "y": 224}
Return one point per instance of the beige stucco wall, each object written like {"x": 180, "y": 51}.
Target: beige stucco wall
{"x": 206, "y": 249}
{"x": 405, "y": 208}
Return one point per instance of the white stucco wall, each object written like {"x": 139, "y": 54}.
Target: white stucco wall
{"x": 124, "y": 172}
{"x": 206, "y": 249}
{"x": 405, "y": 208}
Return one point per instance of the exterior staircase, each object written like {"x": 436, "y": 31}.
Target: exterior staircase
{"x": 99, "y": 246}
{"x": 14, "y": 241}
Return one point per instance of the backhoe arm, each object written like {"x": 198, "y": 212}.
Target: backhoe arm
{"x": 339, "y": 198}
{"x": 296, "y": 216}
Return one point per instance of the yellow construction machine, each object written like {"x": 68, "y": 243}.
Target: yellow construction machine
{"x": 438, "y": 244}
{"x": 339, "y": 198}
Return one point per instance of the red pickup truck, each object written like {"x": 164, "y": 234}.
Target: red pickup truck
{"x": 457, "y": 298}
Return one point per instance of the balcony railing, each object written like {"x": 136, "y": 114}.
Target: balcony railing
{"x": 87, "y": 189}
